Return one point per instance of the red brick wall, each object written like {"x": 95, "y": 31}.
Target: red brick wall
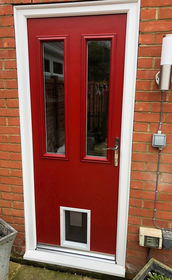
{"x": 156, "y": 20}
{"x": 11, "y": 198}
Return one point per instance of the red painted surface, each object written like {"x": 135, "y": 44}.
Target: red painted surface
{"x": 70, "y": 181}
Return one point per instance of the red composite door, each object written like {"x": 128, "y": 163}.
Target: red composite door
{"x": 76, "y": 80}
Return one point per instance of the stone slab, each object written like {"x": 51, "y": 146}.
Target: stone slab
{"x": 27, "y": 272}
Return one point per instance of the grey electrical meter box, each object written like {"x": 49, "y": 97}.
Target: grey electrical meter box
{"x": 159, "y": 140}
{"x": 167, "y": 239}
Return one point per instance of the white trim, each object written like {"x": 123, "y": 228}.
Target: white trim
{"x": 21, "y": 13}
{"x": 76, "y": 252}
{"x": 70, "y": 244}
{"x": 76, "y": 261}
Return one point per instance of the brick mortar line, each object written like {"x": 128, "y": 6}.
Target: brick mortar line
{"x": 161, "y": 184}
{"x": 145, "y": 80}
{"x": 153, "y": 57}
{"x": 147, "y": 69}
{"x": 8, "y": 59}
{"x": 150, "y": 7}
{"x": 148, "y": 122}
{"x": 140, "y": 180}
{"x": 157, "y": 13}
{"x": 9, "y": 48}
{"x": 138, "y": 170}
{"x": 149, "y": 153}
{"x": 10, "y": 160}
{"x": 154, "y": 162}
{"x": 7, "y": 69}
{"x": 168, "y": 164}
{"x": 144, "y": 181}
{"x": 143, "y": 207}
{"x": 154, "y": 92}
{"x": 11, "y": 185}
{"x": 155, "y": 19}
{"x": 9, "y": 169}
{"x": 11, "y": 126}
{"x": 149, "y": 200}
{"x": 146, "y": 101}
{"x": 141, "y": 45}
{"x": 160, "y": 219}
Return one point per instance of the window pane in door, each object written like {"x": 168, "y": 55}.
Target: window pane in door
{"x": 98, "y": 76}
{"x": 76, "y": 226}
{"x": 53, "y": 73}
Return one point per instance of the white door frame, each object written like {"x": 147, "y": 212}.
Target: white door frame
{"x": 21, "y": 14}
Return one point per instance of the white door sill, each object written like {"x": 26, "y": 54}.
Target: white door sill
{"x": 74, "y": 261}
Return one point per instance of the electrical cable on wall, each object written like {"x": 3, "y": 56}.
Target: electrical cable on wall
{"x": 163, "y": 79}
{"x": 166, "y": 233}
{"x": 158, "y": 237}
{"x": 158, "y": 164}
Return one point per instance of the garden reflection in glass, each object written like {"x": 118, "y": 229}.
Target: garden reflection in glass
{"x": 53, "y": 74}
{"x": 98, "y": 76}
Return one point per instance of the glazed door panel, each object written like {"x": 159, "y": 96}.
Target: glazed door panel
{"x": 76, "y": 80}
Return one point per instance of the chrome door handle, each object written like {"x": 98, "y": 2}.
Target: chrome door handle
{"x": 116, "y": 150}
{"x": 112, "y": 148}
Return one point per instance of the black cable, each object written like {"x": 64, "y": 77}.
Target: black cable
{"x": 156, "y": 191}
{"x": 161, "y": 111}
{"x": 158, "y": 164}
{"x": 148, "y": 254}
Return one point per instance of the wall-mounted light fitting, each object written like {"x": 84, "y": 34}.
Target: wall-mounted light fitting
{"x": 163, "y": 78}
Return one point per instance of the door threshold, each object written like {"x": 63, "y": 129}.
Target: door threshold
{"x": 69, "y": 251}
{"x": 74, "y": 261}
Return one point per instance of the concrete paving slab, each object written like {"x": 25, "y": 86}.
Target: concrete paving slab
{"x": 27, "y": 272}
{"x": 14, "y": 267}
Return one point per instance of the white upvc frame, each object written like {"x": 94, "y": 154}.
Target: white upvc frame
{"x": 71, "y": 244}
{"x": 21, "y": 14}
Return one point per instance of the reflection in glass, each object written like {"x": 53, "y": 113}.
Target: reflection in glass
{"x": 53, "y": 61}
{"x": 98, "y": 76}
{"x": 76, "y": 226}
